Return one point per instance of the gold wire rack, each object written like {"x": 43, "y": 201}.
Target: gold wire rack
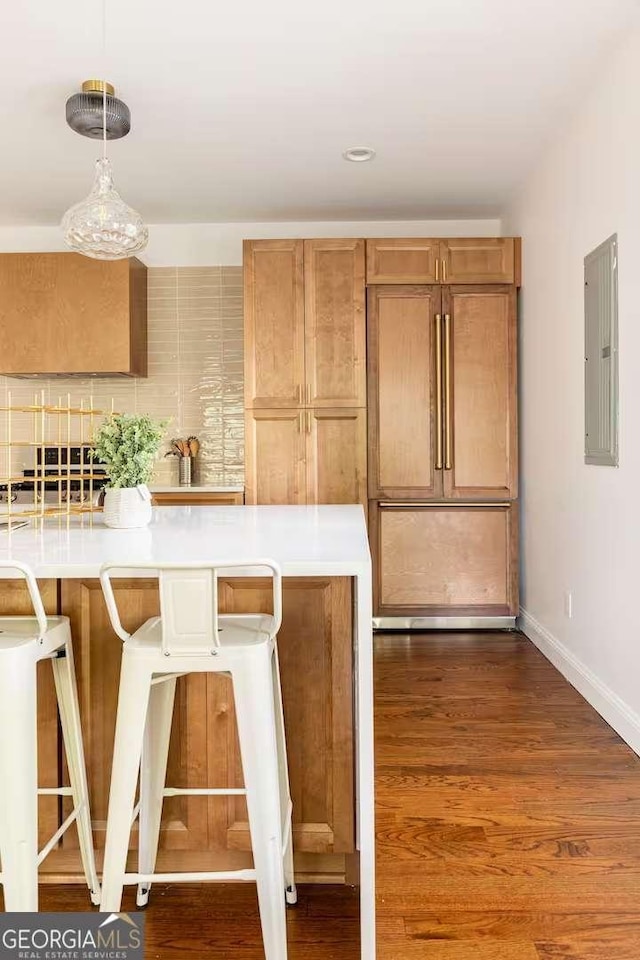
{"x": 61, "y": 426}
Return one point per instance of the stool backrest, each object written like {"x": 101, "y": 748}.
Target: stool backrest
{"x": 32, "y": 587}
{"x": 189, "y": 600}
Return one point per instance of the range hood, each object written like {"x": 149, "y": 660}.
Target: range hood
{"x": 62, "y": 314}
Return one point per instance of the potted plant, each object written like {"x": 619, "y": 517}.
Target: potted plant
{"x": 127, "y": 444}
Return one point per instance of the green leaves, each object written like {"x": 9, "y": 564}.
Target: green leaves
{"x": 128, "y": 444}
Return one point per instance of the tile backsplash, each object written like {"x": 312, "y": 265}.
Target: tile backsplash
{"x": 195, "y": 372}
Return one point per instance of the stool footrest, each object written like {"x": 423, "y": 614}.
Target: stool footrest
{"x": 55, "y": 792}
{"x": 220, "y": 875}
{"x": 204, "y": 792}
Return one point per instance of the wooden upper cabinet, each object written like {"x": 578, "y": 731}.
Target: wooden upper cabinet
{"x": 337, "y": 455}
{"x": 404, "y": 366}
{"x": 480, "y": 260}
{"x": 62, "y": 313}
{"x": 481, "y": 415}
{"x": 335, "y": 334}
{"x": 403, "y": 261}
{"x": 274, "y": 323}
{"x": 468, "y": 260}
{"x": 275, "y": 456}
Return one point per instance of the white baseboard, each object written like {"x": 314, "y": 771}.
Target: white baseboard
{"x": 617, "y": 713}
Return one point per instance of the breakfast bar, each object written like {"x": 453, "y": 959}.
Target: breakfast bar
{"x": 325, "y": 647}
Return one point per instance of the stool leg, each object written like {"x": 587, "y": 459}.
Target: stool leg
{"x": 133, "y": 699}
{"x": 283, "y": 778}
{"x": 67, "y": 694}
{"x": 253, "y": 692}
{"x": 19, "y": 775}
{"x": 153, "y": 771}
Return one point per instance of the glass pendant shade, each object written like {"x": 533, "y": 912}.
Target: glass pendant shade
{"x": 102, "y": 226}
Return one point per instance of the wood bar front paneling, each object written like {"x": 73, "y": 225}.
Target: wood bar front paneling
{"x": 199, "y": 833}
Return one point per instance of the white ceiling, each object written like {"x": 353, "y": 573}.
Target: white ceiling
{"x": 241, "y": 110}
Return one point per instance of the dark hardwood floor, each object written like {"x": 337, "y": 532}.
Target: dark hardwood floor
{"x": 508, "y": 825}
{"x": 508, "y": 812}
{"x": 220, "y": 922}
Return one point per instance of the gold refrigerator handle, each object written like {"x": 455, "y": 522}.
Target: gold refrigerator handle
{"x": 438, "y": 391}
{"x": 447, "y": 392}
{"x": 444, "y": 504}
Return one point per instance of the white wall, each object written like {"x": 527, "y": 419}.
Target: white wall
{"x": 581, "y": 524}
{"x": 203, "y": 244}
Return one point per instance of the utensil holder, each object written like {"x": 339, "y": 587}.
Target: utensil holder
{"x": 184, "y": 471}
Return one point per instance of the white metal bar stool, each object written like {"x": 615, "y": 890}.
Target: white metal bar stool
{"x": 24, "y": 641}
{"x": 190, "y": 636}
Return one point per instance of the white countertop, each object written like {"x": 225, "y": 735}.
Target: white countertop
{"x": 194, "y": 488}
{"x": 305, "y": 541}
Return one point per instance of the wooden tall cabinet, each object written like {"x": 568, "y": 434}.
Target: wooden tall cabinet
{"x": 414, "y": 408}
{"x": 442, "y": 415}
{"x": 305, "y": 371}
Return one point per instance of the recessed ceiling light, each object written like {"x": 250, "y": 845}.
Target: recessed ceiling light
{"x": 359, "y": 154}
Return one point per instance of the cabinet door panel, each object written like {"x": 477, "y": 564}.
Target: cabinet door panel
{"x": 403, "y": 261}
{"x": 315, "y": 653}
{"x": 479, "y": 260}
{"x": 445, "y": 559}
{"x": 335, "y": 338}
{"x": 274, "y": 456}
{"x": 403, "y": 426}
{"x": 274, "y": 323}
{"x": 483, "y": 408}
{"x": 337, "y": 456}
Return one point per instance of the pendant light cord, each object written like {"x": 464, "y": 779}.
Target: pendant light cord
{"x": 104, "y": 81}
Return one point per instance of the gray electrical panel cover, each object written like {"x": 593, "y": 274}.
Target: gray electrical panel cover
{"x": 601, "y": 354}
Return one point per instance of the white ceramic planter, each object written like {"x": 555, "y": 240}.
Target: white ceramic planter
{"x": 127, "y": 507}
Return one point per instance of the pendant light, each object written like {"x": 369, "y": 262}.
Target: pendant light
{"x": 103, "y": 226}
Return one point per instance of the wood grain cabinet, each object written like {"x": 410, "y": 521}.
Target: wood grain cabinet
{"x": 443, "y": 559}
{"x": 335, "y": 340}
{"x": 465, "y": 260}
{"x": 442, "y": 435}
{"x": 442, "y": 392}
{"x": 305, "y": 371}
{"x": 274, "y": 371}
{"x": 275, "y": 447}
{"x": 480, "y": 392}
{"x": 405, "y": 391}
{"x": 336, "y": 455}
{"x": 205, "y": 833}
{"x": 62, "y": 313}
{"x": 314, "y": 455}
{"x": 403, "y": 261}
{"x": 481, "y": 260}
{"x": 304, "y": 323}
